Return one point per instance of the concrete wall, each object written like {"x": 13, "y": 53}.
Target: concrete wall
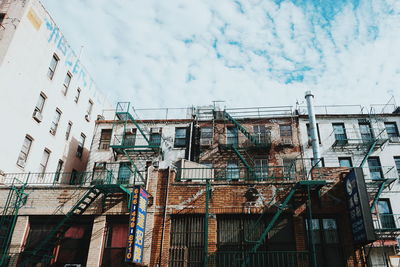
{"x": 26, "y": 50}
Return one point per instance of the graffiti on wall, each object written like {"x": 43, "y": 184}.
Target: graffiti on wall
{"x": 72, "y": 61}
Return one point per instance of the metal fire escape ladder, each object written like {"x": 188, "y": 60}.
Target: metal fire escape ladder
{"x": 240, "y": 156}
{"x": 15, "y": 200}
{"x": 134, "y": 166}
{"x": 241, "y": 128}
{"x": 297, "y": 187}
{"x": 43, "y": 250}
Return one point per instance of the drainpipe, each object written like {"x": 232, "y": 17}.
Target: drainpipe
{"x": 313, "y": 130}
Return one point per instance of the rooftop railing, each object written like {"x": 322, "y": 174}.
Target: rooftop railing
{"x": 124, "y": 177}
{"x": 265, "y": 173}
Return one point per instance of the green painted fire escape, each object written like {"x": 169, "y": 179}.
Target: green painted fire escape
{"x": 44, "y": 250}
{"x": 121, "y": 145}
{"x": 15, "y": 200}
{"x": 256, "y": 143}
{"x": 296, "y": 194}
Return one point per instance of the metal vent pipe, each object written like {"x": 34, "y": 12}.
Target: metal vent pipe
{"x": 313, "y": 129}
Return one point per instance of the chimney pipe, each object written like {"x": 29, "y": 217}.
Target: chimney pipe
{"x": 313, "y": 129}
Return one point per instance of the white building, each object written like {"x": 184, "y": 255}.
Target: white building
{"x": 48, "y": 101}
{"x": 348, "y": 135}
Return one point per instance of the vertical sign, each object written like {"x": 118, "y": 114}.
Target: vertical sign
{"x": 358, "y": 207}
{"x": 137, "y": 222}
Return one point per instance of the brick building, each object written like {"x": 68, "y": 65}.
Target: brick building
{"x": 231, "y": 187}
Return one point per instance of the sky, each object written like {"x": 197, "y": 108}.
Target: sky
{"x": 179, "y": 53}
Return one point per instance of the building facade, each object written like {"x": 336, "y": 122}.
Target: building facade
{"x": 231, "y": 187}
{"x": 49, "y": 100}
{"x": 369, "y": 140}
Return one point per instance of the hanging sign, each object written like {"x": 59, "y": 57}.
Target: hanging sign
{"x": 358, "y": 207}
{"x": 137, "y": 222}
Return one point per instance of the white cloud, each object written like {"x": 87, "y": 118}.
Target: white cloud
{"x": 250, "y": 53}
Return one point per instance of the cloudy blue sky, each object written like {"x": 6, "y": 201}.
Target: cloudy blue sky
{"x": 178, "y": 53}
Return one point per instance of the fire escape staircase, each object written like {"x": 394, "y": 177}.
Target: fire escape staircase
{"x": 298, "y": 195}
{"x": 43, "y": 251}
{"x": 15, "y": 200}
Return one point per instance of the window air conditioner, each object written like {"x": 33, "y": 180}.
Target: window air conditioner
{"x": 155, "y": 130}
{"x": 287, "y": 142}
{"x": 205, "y": 142}
{"x": 394, "y": 139}
{"x": 37, "y": 115}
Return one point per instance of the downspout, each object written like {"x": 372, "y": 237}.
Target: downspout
{"x": 190, "y": 140}
{"x": 164, "y": 217}
{"x": 313, "y": 130}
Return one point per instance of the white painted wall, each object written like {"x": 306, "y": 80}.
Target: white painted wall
{"x": 25, "y": 60}
{"x": 330, "y": 155}
{"x": 169, "y": 153}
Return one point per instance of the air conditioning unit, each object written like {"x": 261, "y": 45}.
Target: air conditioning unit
{"x": 72, "y": 265}
{"x": 87, "y": 117}
{"x": 155, "y": 130}
{"x": 287, "y": 142}
{"x": 205, "y": 142}
{"x": 37, "y": 115}
{"x": 394, "y": 139}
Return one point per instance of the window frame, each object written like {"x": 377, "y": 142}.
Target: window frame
{"x": 396, "y": 129}
{"x": 397, "y": 164}
{"x": 42, "y": 167}
{"x": 68, "y": 131}
{"x": 346, "y": 158}
{"x": 285, "y": 133}
{"x": 51, "y": 72}
{"x": 81, "y": 145}
{"x": 181, "y": 141}
{"x": 25, "y": 154}
{"x": 54, "y": 124}
{"x": 66, "y": 85}
{"x": 41, "y": 96}
{"x": 104, "y": 143}
{"x": 77, "y": 95}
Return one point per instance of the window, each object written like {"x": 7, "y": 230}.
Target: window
{"x": 155, "y": 136}
{"x": 340, "y": 133}
{"x": 285, "y": 130}
{"x": 397, "y": 163}
{"x": 187, "y": 242}
{"x": 115, "y": 243}
{"x": 105, "y": 138}
{"x": 130, "y": 138}
{"x": 23, "y": 154}
{"x": 235, "y": 235}
{"x": 2, "y": 16}
{"x": 40, "y": 103}
{"x": 81, "y": 144}
{"x": 54, "y": 123}
{"x": 345, "y": 162}
{"x": 124, "y": 172}
{"x": 180, "y": 137}
{"x": 89, "y": 109}
{"x": 43, "y": 162}
{"x": 375, "y": 168}
{"x": 289, "y": 168}
{"x": 78, "y": 93}
{"x": 391, "y": 129}
{"x": 232, "y": 170}
{"x": 53, "y": 66}
{"x": 261, "y": 134}
{"x": 386, "y": 219}
{"x": 366, "y": 132}
{"x": 261, "y": 168}
{"x": 232, "y": 136}
{"x": 327, "y": 243}
{"x": 206, "y": 136}
{"x": 67, "y": 81}
{"x": 58, "y": 170}
{"x": 68, "y": 132}
{"x": 309, "y": 133}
